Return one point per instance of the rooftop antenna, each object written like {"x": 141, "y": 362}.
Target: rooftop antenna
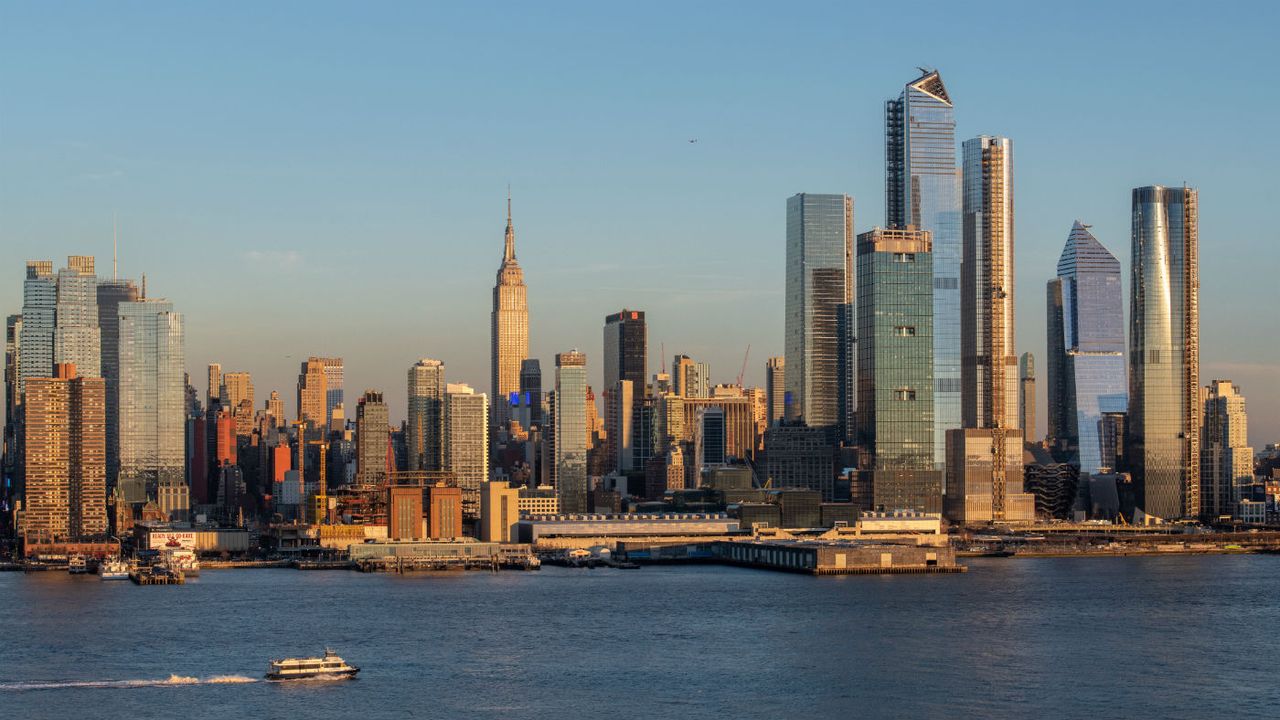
{"x": 144, "y": 286}
{"x": 115, "y": 247}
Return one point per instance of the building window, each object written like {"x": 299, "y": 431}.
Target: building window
{"x": 904, "y": 331}
{"x": 904, "y": 394}
{"x": 904, "y": 257}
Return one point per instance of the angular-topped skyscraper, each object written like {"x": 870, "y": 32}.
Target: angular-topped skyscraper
{"x": 1085, "y": 349}
{"x": 818, "y": 320}
{"x": 510, "y": 327}
{"x": 1163, "y": 427}
{"x": 922, "y": 190}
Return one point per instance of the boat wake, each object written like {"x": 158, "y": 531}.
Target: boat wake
{"x": 171, "y": 681}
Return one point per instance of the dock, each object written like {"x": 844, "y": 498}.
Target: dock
{"x": 150, "y": 576}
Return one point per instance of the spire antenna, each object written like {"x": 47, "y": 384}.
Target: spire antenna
{"x": 509, "y": 251}
{"x": 115, "y": 246}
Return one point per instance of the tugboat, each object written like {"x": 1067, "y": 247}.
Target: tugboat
{"x": 329, "y": 666}
{"x": 113, "y": 570}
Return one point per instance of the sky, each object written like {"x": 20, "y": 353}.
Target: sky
{"x": 311, "y": 178}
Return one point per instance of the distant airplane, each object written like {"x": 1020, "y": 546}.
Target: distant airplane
{"x": 694, "y": 140}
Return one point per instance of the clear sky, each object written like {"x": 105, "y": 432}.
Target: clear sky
{"x": 330, "y": 179}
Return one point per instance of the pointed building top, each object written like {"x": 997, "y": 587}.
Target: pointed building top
{"x": 1084, "y": 252}
{"x": 509, "y": 252}
{"x": 930, "y": 83}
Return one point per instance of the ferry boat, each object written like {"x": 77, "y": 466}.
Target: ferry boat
{"x": 175, "y": 557}
{"x": 77, "y": 565}
{"x": 329, "y": 666}
{"x": 113, "y": 570}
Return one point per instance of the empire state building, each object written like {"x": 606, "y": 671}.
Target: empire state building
{"x": 510, "y": 329}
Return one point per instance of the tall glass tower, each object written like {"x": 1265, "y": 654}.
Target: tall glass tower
{"x": 1164, "y": 352}
{"x": 570, "y": 453}
{"x": 426, "y": 418}
{"x": 152, "y": 395}
{"x": 1085, "y": 348}
{"x": 819, "y": 296}
{"x": 895, "y": 368}
{"x": 922, "y": 189}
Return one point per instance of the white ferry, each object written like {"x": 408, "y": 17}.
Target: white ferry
{"x": 175, "y": 557}
{"x": 113, "y": 570}
{"x": 77, "y": 565}
{"x": 329, "y": 666}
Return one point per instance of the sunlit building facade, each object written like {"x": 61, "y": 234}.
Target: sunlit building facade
{"x": 426, "y": 407}
{"x": 570, "y": 438}
{"x": 818, "y": 299}
{"x": 152, "y": 398}
{"x": 509, "y": 336}
{"x": 895, "y": 368}
{"x": 1087, "y": 374}
{"x": 922, "y": 190}
{"x": 1163, "y": 426}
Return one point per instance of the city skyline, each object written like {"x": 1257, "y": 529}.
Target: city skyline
{"x": 268, "y": 256}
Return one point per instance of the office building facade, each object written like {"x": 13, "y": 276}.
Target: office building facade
{"x": 818, "y": 298}
{"x": 426, "y": 408}
{"x": 1086, "y": 367}
{"x": 1163, "y": 425}
{"x": 509, "y": 331}
{"x": 570, "y": 440}
{"x": 895, "y": 368}
{"x": 922, "y": 190}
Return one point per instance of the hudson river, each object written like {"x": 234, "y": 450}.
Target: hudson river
{"x": 1176, "y": 637}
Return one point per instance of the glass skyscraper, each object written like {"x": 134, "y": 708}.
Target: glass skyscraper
{"x": 426, "y": 417}
{"x": 895, "y": 368}
{"x": 152, "y": 394}
{"x": 570, "y": 454}
{"x": 1163, "y": 427}
{"x": 1085, "y": 349}
{"x": 819, "y": 298}
{"x": 922, "y": 189}
{"x": 77, "y": 338}
{"x": 39, "y": 310}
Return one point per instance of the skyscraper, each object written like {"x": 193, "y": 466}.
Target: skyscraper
{"x": 819, "y": 295}
{"x": 625, "y": 349}
{"x": 1085, "y": 349}
{"x": 239, "y": 400}
{"x": 510, "y": 326}
{"x": 775, "y": 390}
{"x": 922, "y": 190}
{"x": 1027, "y": 395}
{"x": 77, "y": 340}
{"x": 984, "y": 460}
{"x": 66, "y": 457}
{"x": 690, "y": 378}
{"x": 373, "y": 438}
{"x": 1163, "y": 427}
{"x": 152, "y": 407}
{"x": 39, "y": 309}
{"x": 110, "y": 294}
{"x": 334, "y": 370}
{"x": 214, "y": 396}
{"x": 989, "y": 372}
{"x": 895, "y": 368}
{"x": 275, "y": 408}
{"x": 1226, "y": 458}
{"x": 313, "y": 393}
{"x": 531, "y": 390}
{"x": 467, "y": 446}
{"x": 570, "y": 450}
{"x": 426, "y": 405}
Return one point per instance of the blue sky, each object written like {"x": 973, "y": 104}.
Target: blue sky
{"x": 316, "y": 178}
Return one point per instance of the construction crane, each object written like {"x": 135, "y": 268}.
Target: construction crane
{"x": 743, "y": 371}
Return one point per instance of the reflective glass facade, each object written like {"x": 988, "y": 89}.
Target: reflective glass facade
{"x": 922, "y": 189}
{"x": 425, "y": 426}
{"x": 819, "y": 293}
{"x": 152, "y": 394}
{"x": 570, "y": 456}
{"x": 895, "y": 368}
{"x": 1164, "y": 353}
{"x": 1087, "y": 368}
{"x": 39, "y": 306}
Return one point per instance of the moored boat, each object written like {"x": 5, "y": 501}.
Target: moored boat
{"x": 77, "y": 565}
{"x": 329, "y": 666}
{"x": 113, "y": 570}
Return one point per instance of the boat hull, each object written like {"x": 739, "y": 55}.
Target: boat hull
{"x": 333, "y": 674}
